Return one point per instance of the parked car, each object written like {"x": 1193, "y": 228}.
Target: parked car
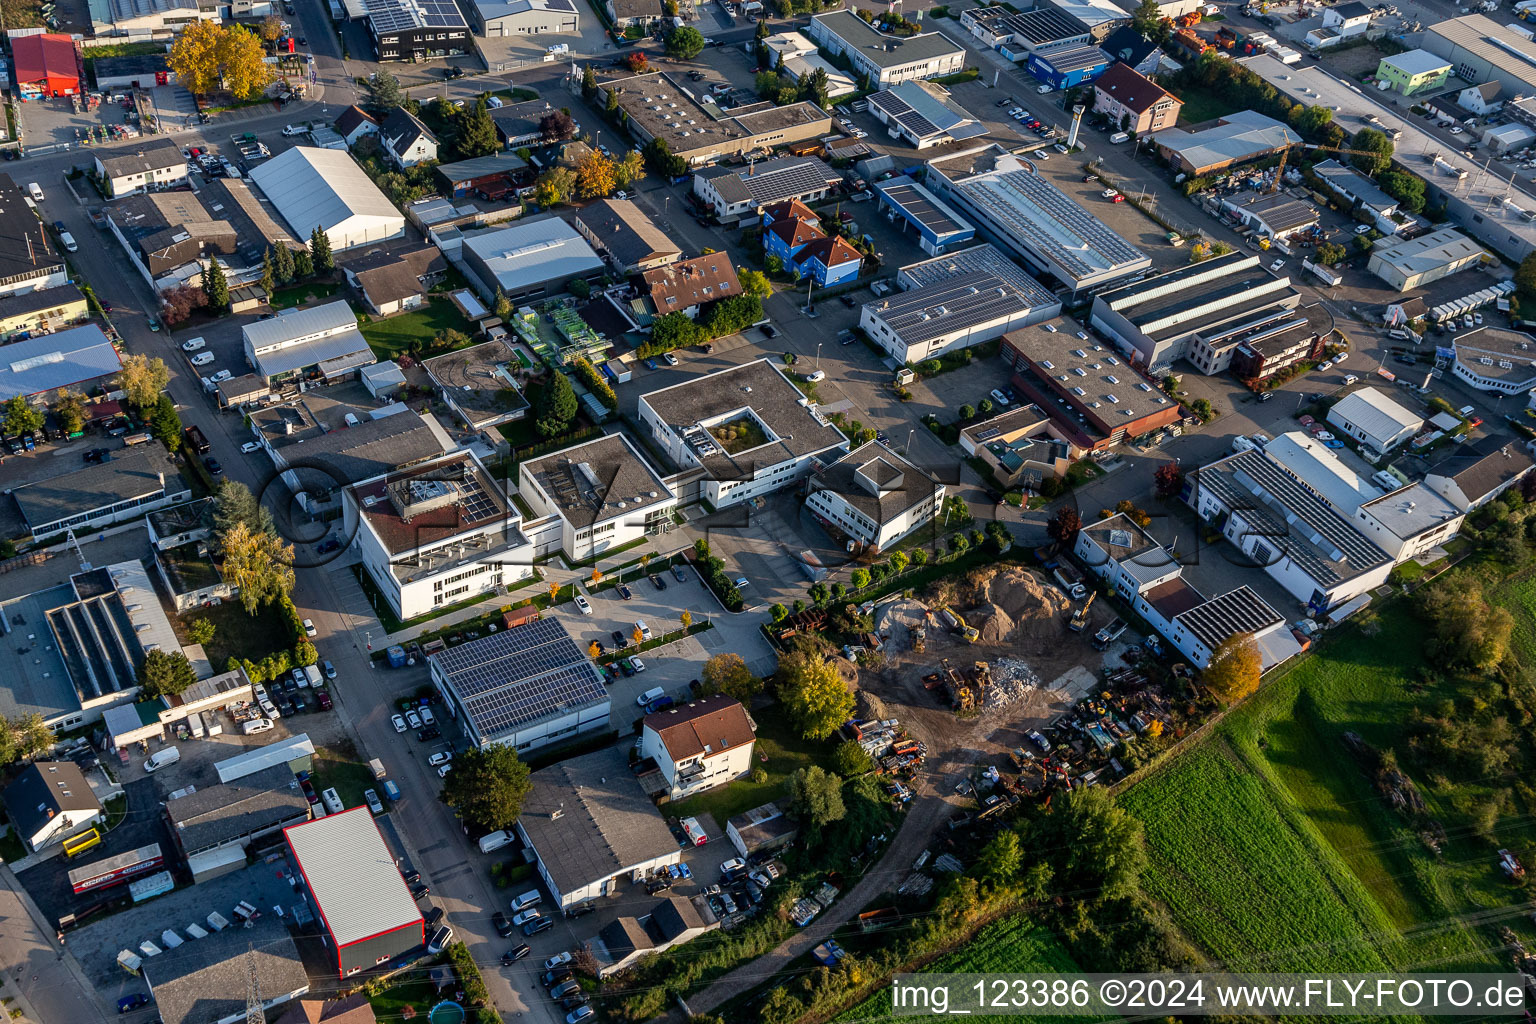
{"x": 133, "y": 1002}
{"x": 534, "y": 927}
{"x": 440, "y": 758}
{"x": 501, "y": 924}
{"x": 522, "y": 917}
{"x": 250, "y": 448}
{"x": 440, "y": 939}
{"x": 412, "y": 719}
{"x": 516, "y": 953}
{"x": 557, "y": 961}
{"x": 678, "y": 574}
{"x": 658, "y": 582}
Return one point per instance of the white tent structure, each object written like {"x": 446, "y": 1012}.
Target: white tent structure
{"x": 325, "y": 187}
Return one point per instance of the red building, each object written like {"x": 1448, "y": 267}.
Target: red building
{"x": 46, "y": 65}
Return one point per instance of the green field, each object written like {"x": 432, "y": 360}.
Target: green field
{"x": 390, "y": 336}
{"x": 1014, "y": 945}
{"x": 1272, "y": 847}
{"x": 1201, "y": 106}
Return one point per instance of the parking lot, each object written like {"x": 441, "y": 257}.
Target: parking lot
{"x": 49, "y": 123}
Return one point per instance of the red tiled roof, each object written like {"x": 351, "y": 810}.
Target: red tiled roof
{"x": 830, "y": 252}
{"x": 789, "y": 209}
{"x": 1131, "y": 89}
{"x": 795, "y": 233}
{"x": 692, "y": 282}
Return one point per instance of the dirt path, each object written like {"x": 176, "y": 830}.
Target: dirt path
{"x": 931, "y": 806}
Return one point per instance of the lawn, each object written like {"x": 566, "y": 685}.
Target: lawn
{"x": 237, "y": 634}
{"x": 1201, "y": 106}
{"x": 1014, "y": 945}
{"x": 299, "y": 294}
{"x": 417, "y": 994}
{"x": 780, "y": 750}
{"x": 1273, "y": 849}
{"x": 339, "y": 767}
{"x": 391, "y": 336}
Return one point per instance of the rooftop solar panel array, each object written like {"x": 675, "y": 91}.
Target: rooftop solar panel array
{"x": 795, "y": 179}
{"x": 916, "y": 202}
{"x": 401, "y": 15}
{"x": 520, "y": 675}
{"x": 1049, "y": 222}
{"x": 904, "y": 114}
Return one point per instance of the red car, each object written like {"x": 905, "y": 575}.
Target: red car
{"x": 323, "y": 699}
{"x": 1117, "y": 199}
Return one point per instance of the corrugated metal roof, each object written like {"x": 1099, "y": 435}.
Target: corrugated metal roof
{"x": 352, "y": 876}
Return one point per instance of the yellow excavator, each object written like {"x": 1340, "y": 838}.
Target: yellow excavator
{"x": 1079, "y": 620}
{"x": 960, "y": 626}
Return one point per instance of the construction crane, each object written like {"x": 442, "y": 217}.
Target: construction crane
{"x": 1286, "y": 152}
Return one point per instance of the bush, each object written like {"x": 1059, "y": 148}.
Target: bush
{"x": 468, "y": 971}
{"x": 593, "y": 380}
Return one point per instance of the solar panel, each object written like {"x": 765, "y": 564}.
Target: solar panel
{"x": 989, "y": 434}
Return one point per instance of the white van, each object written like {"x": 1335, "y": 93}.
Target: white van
{"x": 35, "y": 191}
{"x": 1119, "y": 137}
{"x": 426, "y": 717}
{"x": 160, "y": 758}
{"x": 528, "y": 899}
{"x": 496, "y": 840}
{"x": 193, "y": 344}
{"x": 645, "y": 631}
{"x": 650, "y": 695}
{"x": 332, "y": 801}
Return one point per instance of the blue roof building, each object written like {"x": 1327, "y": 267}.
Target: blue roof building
{"x": 939, "y": 228}
{"x": 1068, "y": 66}
{"x": 52, "y": 361}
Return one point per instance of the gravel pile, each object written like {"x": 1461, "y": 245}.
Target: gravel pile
{"x": 1011, "y": 680}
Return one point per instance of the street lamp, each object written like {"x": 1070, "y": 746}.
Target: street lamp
{"x": 818, "y": 355}
{"x": 907, "y": 448}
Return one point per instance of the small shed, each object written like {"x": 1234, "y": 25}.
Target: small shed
{"x": 382, "y": 379}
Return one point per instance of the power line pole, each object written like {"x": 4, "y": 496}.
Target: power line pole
{"x": 253, "y": 1011}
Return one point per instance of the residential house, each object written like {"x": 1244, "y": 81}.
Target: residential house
{"x": 154, "y": 164}
{"x": 391, "y": 282}
{"x": 49, "y": 801}
{"x": 1470, "y": 481}
{"x": 1134, "y": 102}
{"x": 699, "y": 745}
{"x": 1483, "y": 99}
{"x": 354, "y": 123}
{"x": 631, "y": 240}
{"x": 685, "y": 286}
{"x": 407, "y": 142}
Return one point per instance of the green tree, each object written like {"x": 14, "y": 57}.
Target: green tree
{"x": 858, "y": 579}
{"x": 165, "y": 422}
{"x": 303, "y": 265}
{"x": 1331, "y": 253}
{"x": 1094, "y": 846}
{"x": 268, "y": 280}
{"x": 851, "y": 760}
{"x": 477, "y": 133}
{"x": 386, "y": 92}
{"x": 588, "y": 83}
{"x": 487, "y": 787}
{"x": 685, "y": 43}
{"x": 1407, "y": 189}
{"x": 30, "y": 735}
{"x": 816, "y": 797}
{"x": 554, "y": 187}
{"x": 502, "y": 307}
{"x": 1234, "y": 669}
{"x": 200, "y": 631}
{"x": 1003, "y": 857}
{"x": 69, "y": 407}
{"x": 674, "y": 330}
{"x": 142, "y": 379}
{"x": 611, "y": 104}
{"x": 320, "y": 251}
{"x": 21, "y": 416}
{"x": 814, "y": 695}
{"x": 233, "y": 504}
{"x": 1311, "y": 121}
{"x": 216, "y": 286}
{"x": 754, "y": 283}
{"x": 1466, "y": 631}
{"x": 1525, "y": 276}
{"x": 1378, "y": 151}
{"x": 557, "y": 405}
{"x": 1147, "y": 19}
{"x": 165, "y": 674}
{"x": 815, "y": 87}
{"x": 732, "y": 315}
{"x": 282, "y": 263}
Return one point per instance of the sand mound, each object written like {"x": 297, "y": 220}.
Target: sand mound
{"x": 1013, "y": 603}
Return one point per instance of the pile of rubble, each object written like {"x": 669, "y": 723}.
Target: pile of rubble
{"x": 1011, "y": 680}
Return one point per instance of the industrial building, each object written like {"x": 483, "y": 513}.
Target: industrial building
{"x": 872, "y": 496}
{"x": 939, "y": 227}
{"x": 437, "y": 533}
{"x": 603, "y": 492}
{"x": 631, "y": 240}
{"x": 923, "y": 114}
{"x": 412, "y": 30}
{"x": 1095, "y": 399}
{"x": 1275, "y": 217}
{"x": 1310, "y": 549}
{"x": 1235, "y": 139}
{"x": 94, "y": 632}
{"x": 1018, "y": 34}
{"x": 954, "y": 301}
{"x": 76, "y": 357}
{"x": 530, "y": 686}
{"x": 1372, "y": 418}
{"x": 320, "y": 340}
{"x": 216, "y": 825}
{"x": 325, "y": 188}
{"x": 736, "y": 194}
{"x": 1031, "y": 217}
{"x": 1410, "y": 521}
{"x": 781, "y": 438}
{"x": 1413, "y": 72}
{"x": 1480, "y": 49}
{"x": 1020, "y": 447}
{"x": 138, "y": 71}
{"x": 477, "y": 383}
{"x": 1134, "y": 102}
{"x": 366, "y": 910}
{"x": 1065, "y": 67}
{"x": 885, "y": 59}
{"x": 49, "y": 801}
{"x": 658, "y": 106}
{"x": 1358, "y": 191}
{"x": 296, "y": 753}
{"x": 531, "y": 259}
{"x": 1101, "y": 16}
{"x": 42, "y": 311}
{"x": 1412, "y": 263}
{"x": 45, "y": 65}
{"x": 496, "y": 18}
{"x": 208, "y": 981}
{"x": 91, "y": 497}
{"x": 592, "y": 828}
{"x": 28, "y": 259}
{"x": 1495, "y": 360}
{"x": 1199, "y": 312}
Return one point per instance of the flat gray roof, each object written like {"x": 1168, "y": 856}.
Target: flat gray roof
{"x": 478, "y": 380}
{"x": 588, "y": 819}
{"x": 533, "y": 252}
{"x": 1412, "y": 510}
{"x": 605, "y": 478}
{"x": 885, "y": 50}
{"x": 33, "y": 676}
{"x": 219, "y": 814}
{"x": 1426, "y": 253}
{"x": 352, "y": 876}
{"x": 134, "y": 473}
{"x": 51, "y": 361}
